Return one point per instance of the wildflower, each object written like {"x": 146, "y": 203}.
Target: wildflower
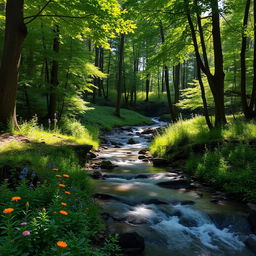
{"x": 74, "y": 207}
{"x": 58, "y": 176}
{"x": 33, "y": 174}
{"x": 63, "y": 212}
{"x": 23, "y": 223}
{"x": 65, "y": 175}
{"x": 62, "y": 244}
{"x": 24, "y": 171}
{"x": 31, "y": 185}
{"x": 64, "y": 204}
{"x": 49, "y": 120}
{"x": 21, "y": 177}
{"x": 8, "y": 210}
{"x": 38, "y": 182}
{"x": 62, "y": 185}
{"x": 55, "y": 169}
{"x": 67, "y": 192}
{"x": 26, "y": 233}
{"x": 16, "y": 198}
{"x": 6, "y": 180}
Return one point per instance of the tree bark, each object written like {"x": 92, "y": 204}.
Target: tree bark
{"x": 120, "y": 76}
{"x": 147, "y": 87}
{"x": 54, "y": 75}
{"x": 166, "y": 76}
{"x": 15, "y": 34}
{"x": 176, "y": 82}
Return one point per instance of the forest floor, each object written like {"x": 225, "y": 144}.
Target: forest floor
{"x": 223, "y": 158}
{"x": 45, "y": 169}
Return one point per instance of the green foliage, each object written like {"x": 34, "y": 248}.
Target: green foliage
{"x": 44, "y": 214}
{"x": 230, "y": 166}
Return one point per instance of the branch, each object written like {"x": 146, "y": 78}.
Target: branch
{"x": 58, "y": 16}
{"x": 38, "y": 14}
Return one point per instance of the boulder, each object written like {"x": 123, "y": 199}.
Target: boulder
{"x": 96, "y": 175}
{"x": 142, "y": 157}
{"x": 143, "y": 151}
{"x": 106, "y": 164}
{"x": 131, "y": 243}
{"x": 175, "y": 184}
{"x": 251, "y": 243}
{"x": 131, "y": 141}
{"x": 160, "y": 162}
{"x": 91, "y": 155}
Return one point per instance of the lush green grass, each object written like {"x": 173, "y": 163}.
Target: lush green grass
{"x": 103, "y": 117}
{"x": 231, "y": 165}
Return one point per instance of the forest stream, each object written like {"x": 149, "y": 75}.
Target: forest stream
{"x": 179, "y": 220}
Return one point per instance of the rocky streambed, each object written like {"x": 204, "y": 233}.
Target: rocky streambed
{"x": 159, "y": 211}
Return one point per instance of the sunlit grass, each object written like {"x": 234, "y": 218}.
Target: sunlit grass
{"x": 103, "y": 117}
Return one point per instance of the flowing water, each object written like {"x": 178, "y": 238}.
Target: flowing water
{"x": 173, "y": 222}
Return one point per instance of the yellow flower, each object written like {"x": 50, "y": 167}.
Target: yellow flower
{"x": 8, "y": 210}
{"x": 63, "y": 212}
{"x": 16, "y": 198}
{"x": 65, "y": 175}
{"x": 62, "y": 244}
{"x": 62, "y": 185}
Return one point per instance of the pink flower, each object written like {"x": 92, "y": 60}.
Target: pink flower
{"x": 23, "y": 223}
{"x": 26, "y": 233}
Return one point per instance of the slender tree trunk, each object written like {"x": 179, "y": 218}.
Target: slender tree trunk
{"x": 120, "y": 76}
{"x": 147, "y": 86}
{"x": 15, "y": 34}
{"x": 54, "y": 75}
{"x": 215, "y": 81}
{"x": 176, "y": 82}
{"x": 166, "y": 75}
{"x": 96, "y": 80}
{"x": 108, "y": 72}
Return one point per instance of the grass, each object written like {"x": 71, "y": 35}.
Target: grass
{"x": 102, "y": 117}
{"x": 231, "y": 165}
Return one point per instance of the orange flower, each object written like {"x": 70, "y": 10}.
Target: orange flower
{"x": 65, "y": 175}
{"x": 64, "y": 204}
{"x": 62, "y": 244}
{"x": 62, "y": 185}
{"x": 67, "y": 192}
{"x": 63, "y": 212}
{"x": 58, "y": 176}
{"x": 8, "y": 210}
{"x": 55, "y": 169}
{"x": 16, "y": 198}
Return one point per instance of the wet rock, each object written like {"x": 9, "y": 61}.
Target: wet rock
{"x": 131, "y": 243}
{"x": 112, "y": 197}
{"x": 251, "y": 243}
{"x": 214, "y": 201}
{"x": 160, "y": 162}
{"x": 175, "y": 184}
{"x": 96, "y": 175}
{"x": 252, "y": 216}
{"x": 105, "y": 164}
{"x": 148, "y": 131}
{"x": 154, "y": 201}
{"x": 129, "y": 129}
{"x": 142, "y": 176}
{"x": 142, "y": 157}
{"x": 116, "y": 143}
{"x": 91, "y": 155}
{"x": 131, "y": 141}
{"x": 143, "y": 151}
{"x": 145, "y": 160}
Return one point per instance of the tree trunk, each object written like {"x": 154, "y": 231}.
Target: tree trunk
{"x": 108, "y": 70}
{"x": 166, "y": 75}
{"x": 15, "y": 33}
{"x": 176, "y": 82}
{"x": 147, "y": 86}
{"x": 96, "y": 80}
{"x": 120, "y": 76}
{"x": 54, "y": 75}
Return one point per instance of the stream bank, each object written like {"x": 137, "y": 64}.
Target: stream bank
{"x": 174, "y": 214}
